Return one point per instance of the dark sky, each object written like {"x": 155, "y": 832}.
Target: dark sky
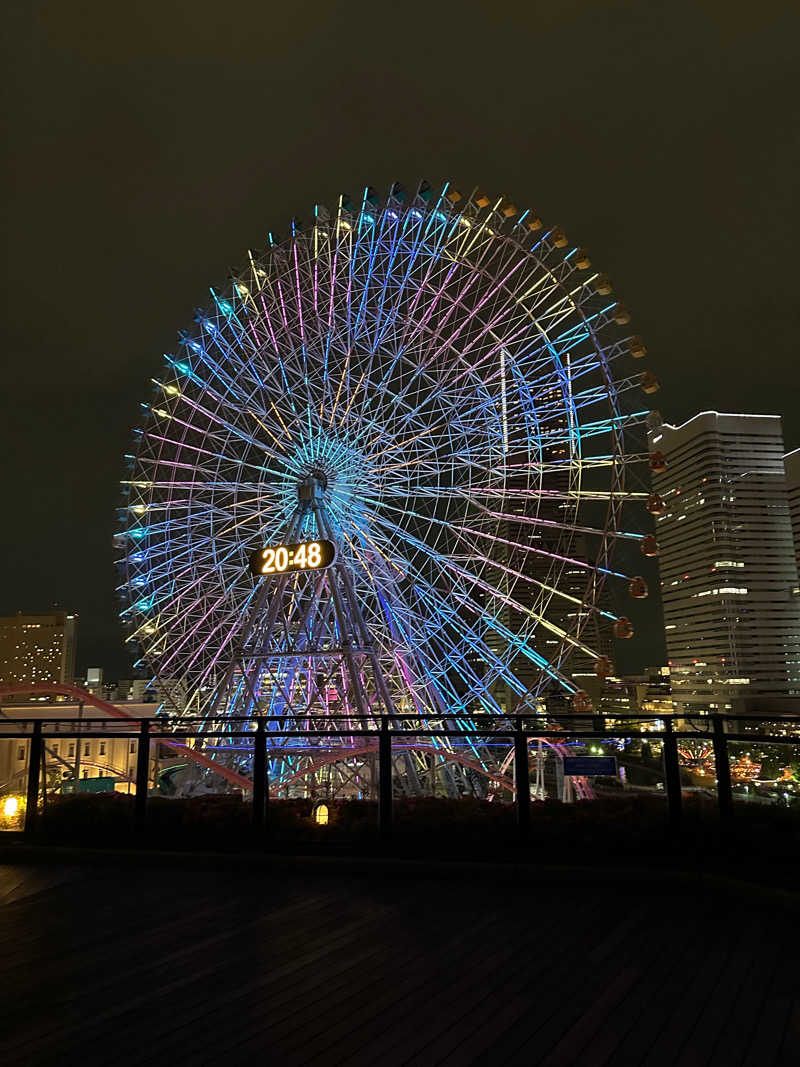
{"x": 152, "y": 143}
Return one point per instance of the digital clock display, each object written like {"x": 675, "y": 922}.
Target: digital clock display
{"x": 305, "y": 556}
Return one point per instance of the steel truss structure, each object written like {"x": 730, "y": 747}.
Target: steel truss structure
{"x": 440, "y": 385}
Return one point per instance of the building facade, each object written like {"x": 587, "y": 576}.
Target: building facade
{"x": 72, "y": 762}
{"x": 37, "y": 648}
{"x": 728, "y": 565}
{"x": 791, "y": 466}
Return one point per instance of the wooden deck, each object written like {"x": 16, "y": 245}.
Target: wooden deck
{"x": 181, "y": 967}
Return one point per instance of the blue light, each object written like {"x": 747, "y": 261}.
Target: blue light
{"x": 138, "y": 532}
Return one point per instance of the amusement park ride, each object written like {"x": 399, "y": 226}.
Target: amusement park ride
{"x": 368, "y": 480}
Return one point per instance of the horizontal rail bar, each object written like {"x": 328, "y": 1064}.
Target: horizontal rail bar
{"x": 504, "y": 730}
{"x": 558, "y": 716}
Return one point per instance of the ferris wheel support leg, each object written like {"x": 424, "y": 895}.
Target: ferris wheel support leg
{"x": 272, "y": 614}
{"x": 380, "y": 681}
{"x": 346, "y": 627}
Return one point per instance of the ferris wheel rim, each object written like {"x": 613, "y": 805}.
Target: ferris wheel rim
{"x": 182, "y": 440}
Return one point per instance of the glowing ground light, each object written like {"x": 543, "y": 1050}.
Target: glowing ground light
{"x": 462, "y": 387}
{"x": 10, "y": 807}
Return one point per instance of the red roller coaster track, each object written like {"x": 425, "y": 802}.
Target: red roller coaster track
{"x": 82, "y": 697}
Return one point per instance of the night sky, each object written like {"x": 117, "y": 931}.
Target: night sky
{"x": 151, "y": 144}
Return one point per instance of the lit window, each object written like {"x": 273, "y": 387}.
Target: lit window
{"x": 321, "y": 815}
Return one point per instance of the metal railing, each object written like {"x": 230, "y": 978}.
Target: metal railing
{"x": 519, "y": 730}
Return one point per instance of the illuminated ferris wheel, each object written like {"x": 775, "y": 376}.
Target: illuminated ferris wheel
{"x": 384, "y": 473}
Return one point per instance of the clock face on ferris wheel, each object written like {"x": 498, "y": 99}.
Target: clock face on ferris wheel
{"x": 304, "y": 556}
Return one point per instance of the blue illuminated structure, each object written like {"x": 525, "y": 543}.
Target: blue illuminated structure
{"x": 453, "y": 380}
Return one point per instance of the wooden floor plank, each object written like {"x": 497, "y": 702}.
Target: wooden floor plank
{"x": 782, "y": 994}
{"x": 584, "y": 968}
{"x": 716, "y": 1010}
{"x": 354, "y": 1020}
{"x": 648, "y": 1004}
{"x": 734, "y": 1039}
{"x": 240, "y": 966}
{"x": 167, "y": 973}
{"x": 508, "y": 993}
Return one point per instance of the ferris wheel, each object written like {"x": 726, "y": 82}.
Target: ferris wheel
{"x": 385, "y": 471}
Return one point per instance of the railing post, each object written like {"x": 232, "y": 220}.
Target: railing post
{"x": 522, "y": 781}
{"x": 385, "y": 780}
{"x": 672, "y": 774}
{"x": 142, "y": 773}
{"x": 260, "y": 777}
{"x": 34, "y": 773}
{"x": 723, "y": 768}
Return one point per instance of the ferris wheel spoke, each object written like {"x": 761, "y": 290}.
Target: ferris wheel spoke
{"x": 573, "y": 561}
{"x": 516, "y": 643}
{"x": 174, "y": 577}
{"x": 495, "y": 592}
{"x": 413, "y": 250}
{"x": 206, "y": 623}
{"x": 182, "y": 446}
{"x": 425, "y": 673}
{"x": 554, "y": 524}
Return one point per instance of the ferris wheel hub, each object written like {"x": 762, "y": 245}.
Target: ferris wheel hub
{"x": 312, "y": 486}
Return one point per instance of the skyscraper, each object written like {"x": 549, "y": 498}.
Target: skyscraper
{"x": 791, "y": 464}
{"x": 728, "y": 567}
{"x": 37, "y": 648}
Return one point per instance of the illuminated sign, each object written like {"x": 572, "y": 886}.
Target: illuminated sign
{"x": 583, "y": 766}
{"x": 305, "y": 556}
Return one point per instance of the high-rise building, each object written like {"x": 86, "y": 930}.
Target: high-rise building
{"x": 728, "y": 567}
{"x": 791, "y": 465}
{"x": 37, "y": 648}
